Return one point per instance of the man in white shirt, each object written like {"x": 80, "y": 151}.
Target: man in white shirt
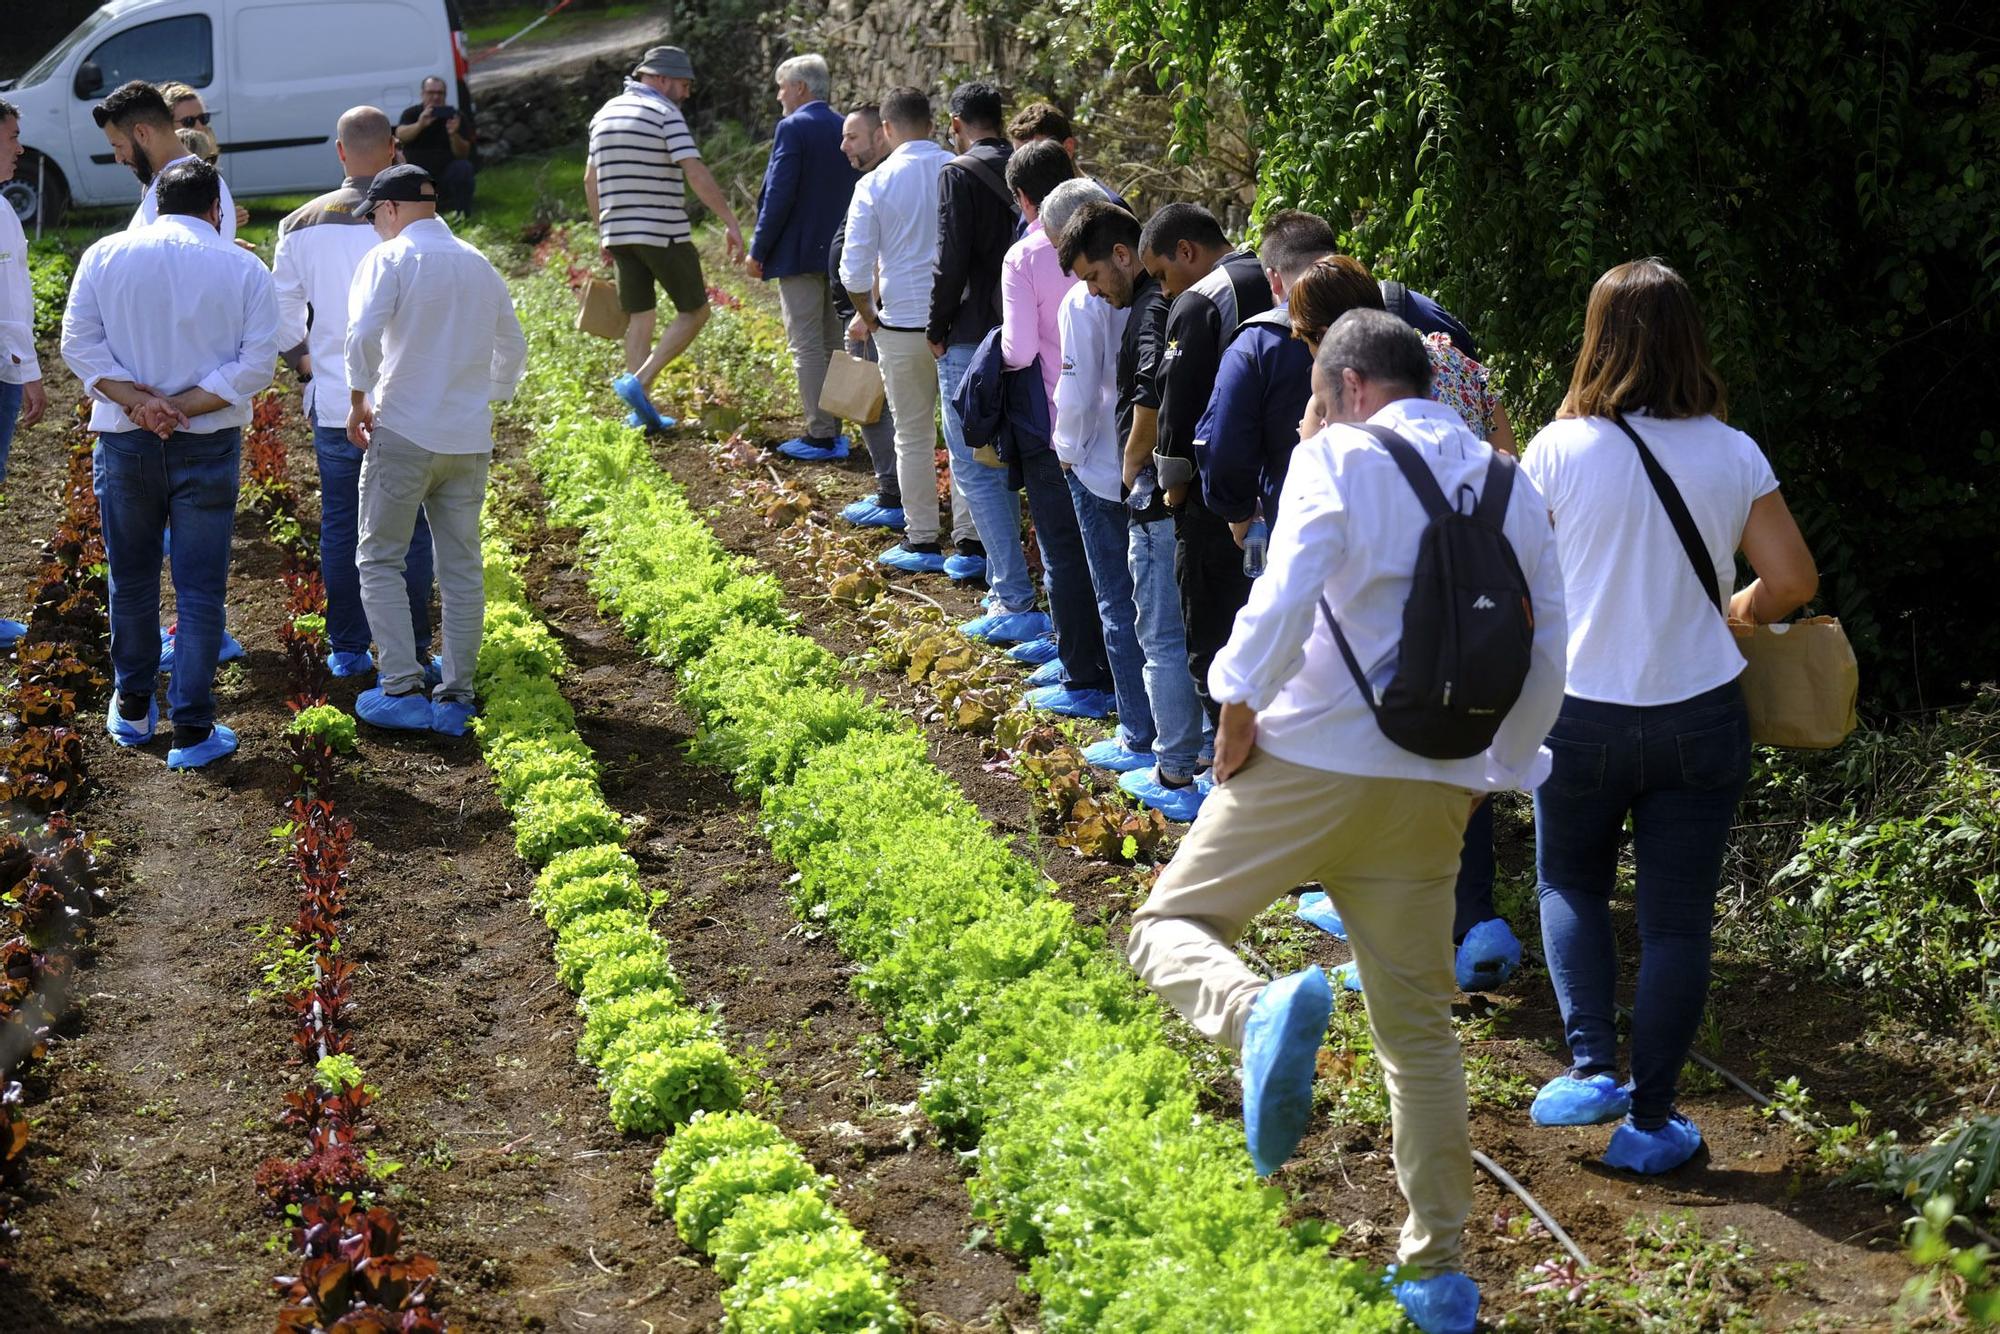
{"x": 319, "y": 248}
{"x": 1311, "y": 789}
{"x": 891, "y": 248}
{"x": 173, "y": 332}
{"x": 432, "y": 336}
{"x": 140, "y": 129}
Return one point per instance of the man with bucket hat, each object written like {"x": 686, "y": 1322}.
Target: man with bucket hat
{"x": 433, "y": 340}
{"x": 642, "y": 161}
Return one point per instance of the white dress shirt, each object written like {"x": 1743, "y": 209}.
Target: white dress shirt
{"x": 432, "y": 335}
{"x": 892, "y": 233}
{"x": 1347, "y": 530}
{"x": 148, "y": 211}
{"x": 17, "y": 305}
{"x": 319, "y": 249}
{"x": 172, "y": 306}
{"x": 1086, "y": 426}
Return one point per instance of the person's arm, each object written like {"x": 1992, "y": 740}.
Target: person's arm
{"x": 1020, "y": 314}
{"x": 1187, "y": 375}
{"x": 857, "y": 260}
{"x": 702, "y": 181}
{"x": 837, "y": 287}
{"x": 510, "y": 346}
{"x": 1140, "y": 443}
{"x": 1144, "y": 436}
{"x": 410, "y": 126}
{"x": 1787, "y": 578}
{"x": 1502, "y": 437}
{"x": 780, "y": 194}
{"x": 591, "y": 200}
{"x": 236, "y": 381}
{"x": 1077, "y": 387}
{"x": 955, "y": 228}
{"x": 461, "y": 145}
{"x": 371, "y": 301}
{"x": 1516, "y": 758}
{"x": 1229, "y": 439}
{"x": 290, "y": 285}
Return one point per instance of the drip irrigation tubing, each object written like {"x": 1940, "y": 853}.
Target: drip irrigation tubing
{"x": 1547, "y": 1220}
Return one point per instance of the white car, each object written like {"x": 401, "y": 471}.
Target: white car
{"x": 274, "y": 74}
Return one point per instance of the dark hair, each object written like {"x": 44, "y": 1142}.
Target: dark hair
{"x": 1037, "y": 168}
{"x": 1293, "y": 239}
{"x": 1039, "y": 120}
{"x": 1175, "y": 223}
{"x": 869, "y": 112}
{"x": 907, "y": 108}
{"x": 190, "y": 189}
{"x": 1328, "y": 289}
{"x": 8, "y": 111}
{"x": 1643, "y": 347}
{"x": 977, "y": 106}
{"x": 1376, "y": 346}
{"x": 134, "y": 103}
{"x": 1093, "y": 231}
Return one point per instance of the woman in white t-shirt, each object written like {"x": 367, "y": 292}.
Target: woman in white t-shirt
{"x": 1653, "y": 724}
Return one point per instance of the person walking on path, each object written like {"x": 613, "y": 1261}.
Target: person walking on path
{"x": 320, "y": 246}
{"x": 433, "y": 340}
{"x": 642, "y": 161}
{"x": 807, "y": 185}
{"x": 438, "y": 137}
{"x": 1653, "y": 727}
{"x": 1310, "y": 788}
{"x": 172, "y": 398}
{"x": 864, "y": 144}
{"x": 140, "y": 129}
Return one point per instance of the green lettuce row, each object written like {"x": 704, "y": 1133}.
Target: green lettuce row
{"x": 792, "y": 1261}
{"x": 1048, "y": 1061}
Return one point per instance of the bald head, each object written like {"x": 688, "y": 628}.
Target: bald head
{"x": 366, "y": 140}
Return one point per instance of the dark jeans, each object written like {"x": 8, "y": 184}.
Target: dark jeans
{"x": 142, "y": 482}
{"x": 339, "y": 529}
{"x": 455, "y": 188}
{"x": 1474, "y": 901}
{"x": 1214, "y": 588}
{"x": 1072, "y": 601}
{"x": 10, "y": 414}
{"x": 1677, "y": 770}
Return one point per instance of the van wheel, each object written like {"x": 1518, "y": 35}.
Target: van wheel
{"x": 22, "y": 194}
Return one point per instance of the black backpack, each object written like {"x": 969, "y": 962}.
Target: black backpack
{"x": 1468, "y": 626}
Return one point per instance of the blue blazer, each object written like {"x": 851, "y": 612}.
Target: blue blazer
{"x": 806, "y": 188}
{"x": 1008, "y": 410}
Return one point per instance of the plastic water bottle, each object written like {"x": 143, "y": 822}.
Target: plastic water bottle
{"x": 1256, "y": 543}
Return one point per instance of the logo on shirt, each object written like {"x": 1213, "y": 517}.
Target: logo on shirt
{"x": 1483, "y": 603}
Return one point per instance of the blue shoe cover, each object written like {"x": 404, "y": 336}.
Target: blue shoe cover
{"x": 1651, "y": 1152}
{"x": 1179, "y": 804}
{"x": 1569, "y": 1101}
{"x": 1442, "y": 1304}
{"x": 231, "y": 649}
{"x": 1317, "y": 908}
{"x": 1280, "y": 1056}
{"x": 900, "y": 557}
{"x": 131, "y": 734}
{"x": 1007, "y": 627}
{"x": 450, "y": 717}
{"x": 434, "y": 673}
{"x": 11, "y": 632}
{"x": 1487, "y": 956}
{"x": 402, "y": 713}
{"x": 804, "y": 450}
{"x": 1349, "y": 976}
{"x": 869, "y": 512}
{"x": 1072, "y": 703}
{"x": 635, "y": 421}
{"x": 1114, "y": 755}
{"x": 628, "y": 388}
{"x": 1035, "y": 651}
{"x": 1049, "y": 673}
{"x": 221, "y": 741}
{"x": 350, "y": 664}
{"x": 964, "y": 569}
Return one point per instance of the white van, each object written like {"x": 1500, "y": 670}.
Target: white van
{"x": 275, "y": 75}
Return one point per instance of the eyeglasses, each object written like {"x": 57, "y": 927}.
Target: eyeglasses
{"x": 190, "y": 122}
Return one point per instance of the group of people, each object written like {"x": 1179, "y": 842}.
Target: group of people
{"x": 402, "y": 335}
{"x": 1241, "y": 468}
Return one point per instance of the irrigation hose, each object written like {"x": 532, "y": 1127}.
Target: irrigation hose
{"x": 1505, "y": 1178}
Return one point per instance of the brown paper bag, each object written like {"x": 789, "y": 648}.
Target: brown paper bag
{"x": 597, "y": 309}
{"x": 853, "y": 390}
{"x": 1800, "y": 684}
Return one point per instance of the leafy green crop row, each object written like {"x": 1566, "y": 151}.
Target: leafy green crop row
{"x": 1048, "y": 1062}
{"x": 752, "y": 1201}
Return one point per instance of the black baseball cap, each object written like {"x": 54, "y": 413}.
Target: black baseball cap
{"x": 407, "y": 183}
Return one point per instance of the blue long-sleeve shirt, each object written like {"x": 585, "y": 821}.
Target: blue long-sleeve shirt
{"x": 1244, "y": 441}
{"x": 807, "y": 185}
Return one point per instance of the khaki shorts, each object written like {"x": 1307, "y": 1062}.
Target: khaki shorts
{"x": 675, "y": 267}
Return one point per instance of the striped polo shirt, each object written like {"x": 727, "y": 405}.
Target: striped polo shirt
{"x": 635, "y": 141}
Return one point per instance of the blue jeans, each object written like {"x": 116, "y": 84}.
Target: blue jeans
{"x": 143, "y": 482}
{"x": 1678, "y": 771}
{"x": 10, "y": 413}
{"x": 339, "y": 530}
{"x": 1103, "y": 525}
{"x": 996, "y": 510}
{"x": 1179, "y": 722}
{"x": 1066, "y": 571}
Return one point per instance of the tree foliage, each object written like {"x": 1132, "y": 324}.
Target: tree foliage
{"x": 1826, "y": 173}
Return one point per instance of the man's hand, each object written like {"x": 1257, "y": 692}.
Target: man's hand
{"x": 1174, "y": 495}
{"x": 604, "y": 253}
{"x": 937, "y": 349}
{"x": 34, "y": 402}
{"x": 154, "y": 413}
{"x": 242, "y": 244}
{"x": 1239, "y": 531}
{"x": 1314, "y": 421}
{"x": 451, "y": 126}
{"x": 360, "y": 425}
{"x": 754, "y": 268}
{"x": 732, "y": 243}
{"x": 859, "y": 330}
{"x": 242, "y": 217}
{"x": 305, "y": 370}
{"x": 1235, "y": 735}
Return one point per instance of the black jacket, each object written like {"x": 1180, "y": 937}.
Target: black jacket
{"x": 1200, "y": 324}
{"x": 975, "y": 227}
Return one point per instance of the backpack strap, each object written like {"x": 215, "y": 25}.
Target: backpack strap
{"x": 983, "y": 170}
{"x": 1677, "y": 515}
{"x": 1499, "y": 489}
{"x": 1415, "y": 471}
{"x": 1395, "y": 299}
{"x": 1347, "y": 656}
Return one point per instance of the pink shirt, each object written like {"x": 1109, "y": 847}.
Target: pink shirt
{"x": 1032, "y": 287}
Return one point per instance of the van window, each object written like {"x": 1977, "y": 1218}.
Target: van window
{"x": 178, "y": 48}
{"x": 320, "y": 44}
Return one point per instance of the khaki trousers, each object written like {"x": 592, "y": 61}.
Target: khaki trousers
{"x": 910, "y": 383}
{"x": 1387, "y": 851}
{"x": 814, "y": 334}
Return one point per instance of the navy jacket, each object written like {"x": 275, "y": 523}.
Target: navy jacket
{"x": 807, "y": 185}
{"x": 1244, "y": 442}
{"x": 1008, "y": 410}
{"x": 1425, "y": 315}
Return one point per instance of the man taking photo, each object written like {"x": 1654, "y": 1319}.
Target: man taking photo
{"x": 434, "y": 136}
